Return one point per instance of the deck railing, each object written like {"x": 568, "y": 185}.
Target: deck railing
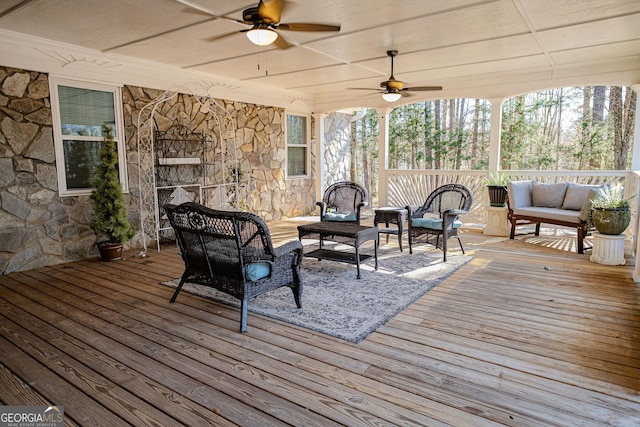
{"x": 411, "y": 187}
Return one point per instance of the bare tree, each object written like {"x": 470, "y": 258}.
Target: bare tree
{"x": 622, "y": 107}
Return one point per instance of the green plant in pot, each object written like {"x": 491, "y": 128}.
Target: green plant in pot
{"x": 497, "y": 187}
{"x": 610, "y": 211}
{"x": 110, "y": 221}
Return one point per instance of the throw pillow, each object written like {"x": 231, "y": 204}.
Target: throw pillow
{"x": 257, "y": 270}
{"x": 576, "y": 195}
{"x": 519, "y": 193}
{"x": 548, "y": 195}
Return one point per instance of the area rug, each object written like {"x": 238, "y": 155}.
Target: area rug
{"x": 335, "y": 303}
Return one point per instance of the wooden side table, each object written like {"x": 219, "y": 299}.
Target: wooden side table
{"x": 391, "y": 215}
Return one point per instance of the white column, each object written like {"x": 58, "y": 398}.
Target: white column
{"x": 635, "y": 167}
{"x": 383, "y": 154}
{"x": 318, "y": 137}
{"x": 635, "y": 153}
{"x": 496, "y": 131}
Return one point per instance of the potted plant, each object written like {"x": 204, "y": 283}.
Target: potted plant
{"x": 110, "y": 221}
{"x": 610, "y": 211}
{"x": 497, "y": 187}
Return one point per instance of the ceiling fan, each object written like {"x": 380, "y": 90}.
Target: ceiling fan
{"x": 264, "y": 20}
{"x": 393, "y": 89}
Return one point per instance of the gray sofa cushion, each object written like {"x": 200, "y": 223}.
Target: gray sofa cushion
{"x": 548, "y": 195}
{"x": 519, "y": 193}
{"x": 576, "y": 195}
{"x": 550, "y": 213}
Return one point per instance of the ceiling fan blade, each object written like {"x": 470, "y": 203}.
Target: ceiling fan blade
{"x": 197, "y": 12}
{"x": 422, "y": 88}
{"x": 209, "y": 12}
{"x": 281, "y": 42}
{"x": 222, "y": 36}
{"x": 308, "y": 27}
{"x": 270, "y": 11}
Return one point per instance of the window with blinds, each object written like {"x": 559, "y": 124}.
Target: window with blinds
{"x": 297, "y": 145}
{"x": 81, "y": 111}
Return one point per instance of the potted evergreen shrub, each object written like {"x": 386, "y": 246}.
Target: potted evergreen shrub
{"x": 110, "y": 221}
{"x": 497, "y": 187}
{"x": 610, "y": 211}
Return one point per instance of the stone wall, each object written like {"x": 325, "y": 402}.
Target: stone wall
{"x": 337, "y": 148}
{"x": 259, "y": 141}
{"x": 39, "y": 228}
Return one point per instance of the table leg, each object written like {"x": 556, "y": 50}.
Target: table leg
{"x": 375, "y": 252}
{"x": 358, "y": 262}
{"x": 400, "y": 231}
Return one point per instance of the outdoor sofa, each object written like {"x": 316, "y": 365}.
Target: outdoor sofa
{"x": 564, "y": 203}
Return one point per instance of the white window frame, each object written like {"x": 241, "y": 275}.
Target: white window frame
{"x": 58, "y": 137}
{"x": 307, "y": 145}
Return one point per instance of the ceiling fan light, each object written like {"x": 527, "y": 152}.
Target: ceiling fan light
{"x": 391, "y": 96}
{"x": 262, "y": 36}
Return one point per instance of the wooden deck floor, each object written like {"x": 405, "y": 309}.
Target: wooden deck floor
{"x": 524, "y": 335}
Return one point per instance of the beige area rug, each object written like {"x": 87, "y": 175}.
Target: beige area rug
{"x": 335, "y": 303}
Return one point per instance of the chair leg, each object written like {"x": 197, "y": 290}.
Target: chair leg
{"x": 444, "y": 248}
{"x": 244, "y": 305}
{"x": 409, "y": 241}
{"x": 175, "y": 294}
{"x": 460, "y": 241}
{"x": 513, "y": 229}
{"x": 297, "y": 293}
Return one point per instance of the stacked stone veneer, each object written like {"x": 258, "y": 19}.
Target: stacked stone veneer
{"x": 38, "y": 227}
{"x": 259, "y": 146}
{"x": 337, "y": 148}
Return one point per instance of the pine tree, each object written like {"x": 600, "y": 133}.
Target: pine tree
{"x": 110, "y": 219}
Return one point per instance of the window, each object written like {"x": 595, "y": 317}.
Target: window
{"x": 79, "y": 110}
{"x": 297, "y": 145}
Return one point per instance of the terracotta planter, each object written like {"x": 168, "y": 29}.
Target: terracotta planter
{"x": 110, "y": 251}
{"x": 611, "y": 221}
{"x": 497, "y": 195}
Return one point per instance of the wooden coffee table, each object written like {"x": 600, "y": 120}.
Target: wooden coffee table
{"x": 346, "y": 233}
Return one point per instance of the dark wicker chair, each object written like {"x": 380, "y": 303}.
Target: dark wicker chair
{"x": 233, "y": 253}
{"x": 343, "y": 201}
{"x": 445, "y": 204}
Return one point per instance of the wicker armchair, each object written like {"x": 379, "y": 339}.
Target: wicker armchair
{"x": 233, "y": 253}
{"x": 445, "y": 204}
{"x": 342, "y": 202}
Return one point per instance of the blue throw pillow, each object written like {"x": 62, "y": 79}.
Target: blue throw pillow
{"x": 432, "y": 223}
{"x": 257, "y": 270}
{"x": 341, "y": 216}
